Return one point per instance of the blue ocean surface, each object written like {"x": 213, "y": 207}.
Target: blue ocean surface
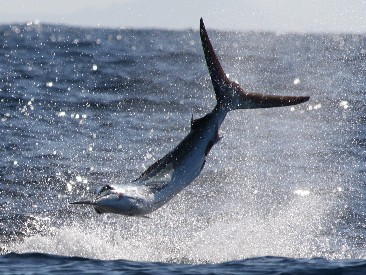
{"x": 283, "y": 192}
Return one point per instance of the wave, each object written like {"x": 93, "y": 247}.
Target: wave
{"x": 45, "y": 263}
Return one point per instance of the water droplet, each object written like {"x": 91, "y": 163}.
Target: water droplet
{"x": 317, "y": 106}
{"x": 148, "y": 156}
{"x": 344, "y": 104}
{"x": 69, "y": 186}
{"x": 61, "y": 114}
{"x": 301, "y": 192}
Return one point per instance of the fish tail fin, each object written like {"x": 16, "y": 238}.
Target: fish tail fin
{"x": 229, "y": 94}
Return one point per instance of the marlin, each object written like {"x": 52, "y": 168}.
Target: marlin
{"x": 176, "y": 170}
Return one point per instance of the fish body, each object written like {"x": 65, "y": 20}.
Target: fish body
{"x": 181, "y": 166}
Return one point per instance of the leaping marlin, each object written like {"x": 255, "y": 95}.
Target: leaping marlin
{"x": 176, "y": 170}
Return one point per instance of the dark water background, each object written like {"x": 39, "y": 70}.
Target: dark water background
{"x": 284, "y": 190}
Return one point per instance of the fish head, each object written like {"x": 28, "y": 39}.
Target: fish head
{"x": 112, "y": 199}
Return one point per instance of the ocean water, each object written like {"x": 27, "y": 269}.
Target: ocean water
{"x": 283, "y": 192}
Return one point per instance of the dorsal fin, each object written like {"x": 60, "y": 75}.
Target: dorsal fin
{"x": 199, "y": 122}
{"x": 160, "y": 162}
{"x": 195, "y": 123}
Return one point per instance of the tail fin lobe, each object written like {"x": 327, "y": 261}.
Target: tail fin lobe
{"x": 230, "y": 95}
{"x": 217, "y": 74}
{"x": 254, "y": 100}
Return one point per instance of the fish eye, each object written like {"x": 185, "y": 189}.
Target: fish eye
{"x": 106, "y": 187}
